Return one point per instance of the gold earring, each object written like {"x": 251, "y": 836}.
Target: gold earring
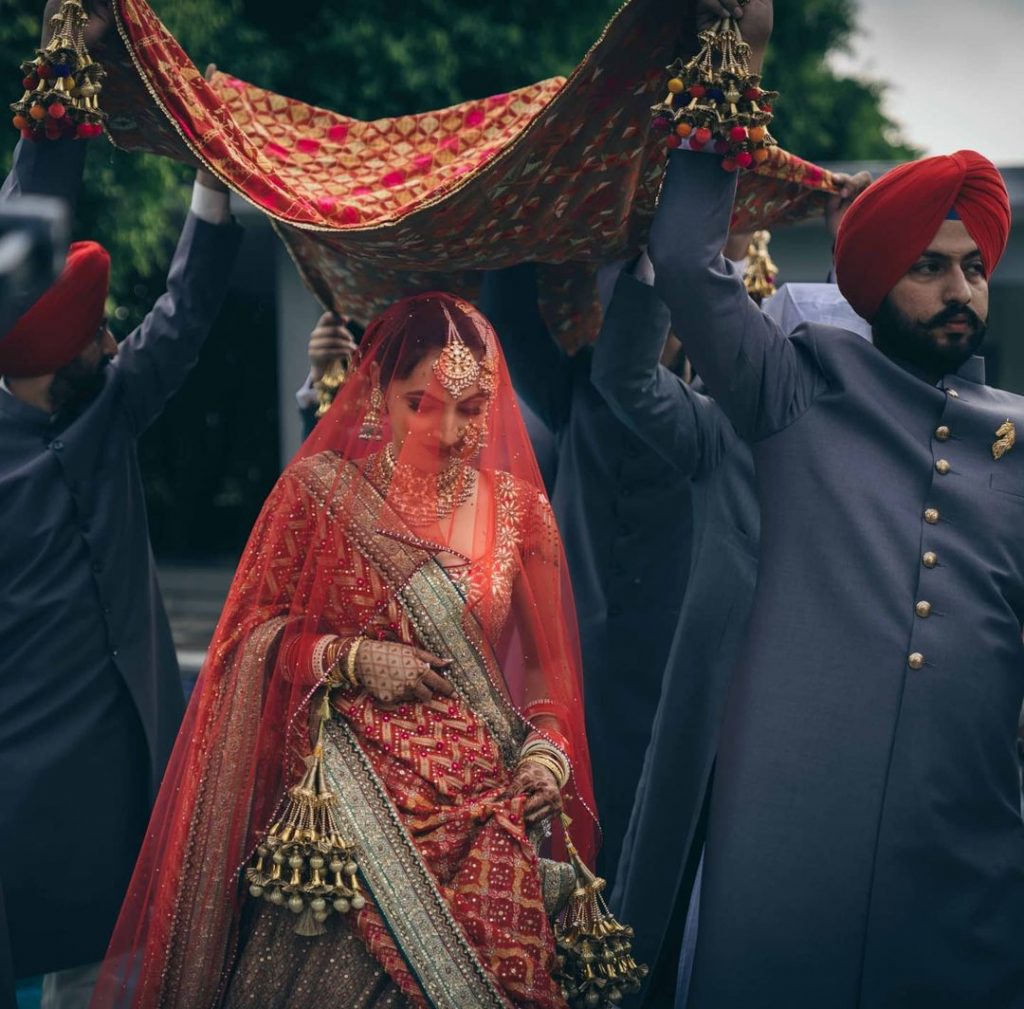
{"x": 372, "y": 427}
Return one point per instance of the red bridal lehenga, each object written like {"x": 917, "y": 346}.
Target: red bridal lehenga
{"x": 460, "y": 558}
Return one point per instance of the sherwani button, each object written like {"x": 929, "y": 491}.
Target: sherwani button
{"x": 931, "y": 515}
{"x": 930, "y": 559}
{"x": 942, "y": 433}
{"x": 923, "y": 608}
{"x": 953, "y": 393}
{"x": 915, "y": 660}
{"x": 942, "y": 466}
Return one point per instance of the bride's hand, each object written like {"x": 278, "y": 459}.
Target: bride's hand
{"x": 538, "y": 784}
{"x": 393, "y": 672}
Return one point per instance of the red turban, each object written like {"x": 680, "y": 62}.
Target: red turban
{"x": 59, "y": 326}
{"x": 892, "y": 222}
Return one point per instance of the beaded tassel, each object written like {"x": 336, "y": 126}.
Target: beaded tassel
{"x": 761, "y": 272}
{"x": 715, "y": 100}
{"x": 594, "y": 952}
{"x": 312, "y": 868}
{"x": 62, "y": 84}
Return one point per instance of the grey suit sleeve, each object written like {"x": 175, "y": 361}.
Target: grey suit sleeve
{"x": 759, "y": 378}
{"x": 541, "y": 371}
{"x": 685, "y": 428}
{"x": 50, "y": 168}
{"x": 155, "y": 358}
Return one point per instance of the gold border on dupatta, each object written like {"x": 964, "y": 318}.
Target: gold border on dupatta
{"x": 430, "y": 939}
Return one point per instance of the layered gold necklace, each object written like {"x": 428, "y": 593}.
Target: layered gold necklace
{"x": 422, "y": 498}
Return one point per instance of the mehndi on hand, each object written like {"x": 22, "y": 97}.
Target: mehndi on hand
{"x": 393, "y": 672}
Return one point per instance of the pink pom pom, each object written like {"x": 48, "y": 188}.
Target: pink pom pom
{"x": 738, "y": 133}
{"x": 744, "y": 159}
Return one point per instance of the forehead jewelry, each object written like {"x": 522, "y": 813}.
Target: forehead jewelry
{"x": 456, "y": 368}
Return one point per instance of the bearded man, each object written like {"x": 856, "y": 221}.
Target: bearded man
{"x": 89, "y": 685}
{"x": 865, "y": 846}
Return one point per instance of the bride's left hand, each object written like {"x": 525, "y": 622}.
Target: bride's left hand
{"x": 538, "y": 784}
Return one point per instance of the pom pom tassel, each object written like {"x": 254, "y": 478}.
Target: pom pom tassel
{"x": 304, "y": 863}
{"x": 715, "y": 100}
{"x": 62, "y": 84}
{"x": 595, "y": 959}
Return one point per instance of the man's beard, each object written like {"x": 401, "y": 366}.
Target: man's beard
{"x": 75, "y": 386}
{"x": 899, "y": 336}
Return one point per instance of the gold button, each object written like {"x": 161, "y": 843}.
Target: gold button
{"x": 942, "y": 433}
{"x": 931, "y": 515}
{"x": 942, "y": 466}
{"x": 923, "y": 608}
{"x": 929, "y": 560}
{"x": 953, "y": 393}
{"x": 915, "y": 660}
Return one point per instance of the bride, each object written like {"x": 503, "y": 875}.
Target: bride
{"x": 389, "y": 716}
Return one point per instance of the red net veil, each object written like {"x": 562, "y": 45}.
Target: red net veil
{"x": 417, "y": 495}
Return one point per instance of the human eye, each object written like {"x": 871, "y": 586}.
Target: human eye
{"x": 975, "y": 269}
{"x": 925, "y": 268}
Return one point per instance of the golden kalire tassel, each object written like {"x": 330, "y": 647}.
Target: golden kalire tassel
{"x": 62, "y": 84}
{"x": 761, "y": 272}
{"x": 595, "y": 953}
{"x": 304, "y": 863}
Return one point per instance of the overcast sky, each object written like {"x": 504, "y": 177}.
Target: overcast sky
{"x": 953, "y": 67}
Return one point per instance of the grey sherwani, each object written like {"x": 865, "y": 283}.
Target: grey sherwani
{"x": 865, "y": 846}
{"x": 624, "y": 516}
{"x": 698, "y": 444}
{"x": 89, "y": 685}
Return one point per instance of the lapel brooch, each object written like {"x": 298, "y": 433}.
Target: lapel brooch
{"x": 1006, "y": 438}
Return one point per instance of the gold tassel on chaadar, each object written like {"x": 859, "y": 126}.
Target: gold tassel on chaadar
{"x": 595, "y": 952}
{"x": 304, "y": 863}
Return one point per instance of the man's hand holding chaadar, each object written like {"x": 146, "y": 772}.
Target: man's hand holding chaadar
{"x": 393, "y": 672}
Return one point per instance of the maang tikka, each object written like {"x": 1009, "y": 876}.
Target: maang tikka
{"x": 456, "y": 368}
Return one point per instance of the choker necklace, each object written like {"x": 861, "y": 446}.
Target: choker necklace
{"x": 411, "y": 492}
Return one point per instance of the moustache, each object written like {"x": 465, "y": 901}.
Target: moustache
{"x": 951, "y": 312}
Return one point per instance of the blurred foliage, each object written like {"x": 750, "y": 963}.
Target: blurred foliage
{"x": 414, "y": 55}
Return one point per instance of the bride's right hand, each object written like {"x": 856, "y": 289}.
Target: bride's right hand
{"x": 393, "y": 672}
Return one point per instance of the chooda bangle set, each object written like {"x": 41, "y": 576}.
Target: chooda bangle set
{"x": 715, "y": 102}
{"x": 339, "y": 650}
{"x": 538, "y": 750}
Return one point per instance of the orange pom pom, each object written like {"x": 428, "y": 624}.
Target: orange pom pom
{"x": 37, "y": 112}
{"x": 684, "y": 129}
{"x": 760, "y": 155}
{"x": 20, "y": 123}
{"x": 676, "y": 86}
{"x": 757, "y": 133}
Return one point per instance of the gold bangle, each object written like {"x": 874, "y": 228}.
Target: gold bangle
{"x": 557, "y": 772}
{"x": 540, "y": 747}
{"x": 350, "y": 661}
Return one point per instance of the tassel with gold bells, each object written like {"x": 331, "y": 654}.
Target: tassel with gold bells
{"x": 62, "y": 84}
{"x": 594, "y": 951}
{"x": 304, "y": 863}
{"x": 714, "y": 100}
{"x": 761, "y": 272}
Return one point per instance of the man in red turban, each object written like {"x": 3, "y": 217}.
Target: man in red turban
{"x": 914, "y": 254}
{"x": 864, "y": 842}
{"x": 54, "y": 354}
{"x": 90, "y": 691}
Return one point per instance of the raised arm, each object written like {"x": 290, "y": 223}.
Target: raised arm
{"x": 761, "y": 380}
{"x": 541, "y": 371}
{"x": 685, "y": 428}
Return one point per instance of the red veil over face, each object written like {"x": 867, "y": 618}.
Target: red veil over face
{"x": 414, "y": 513}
